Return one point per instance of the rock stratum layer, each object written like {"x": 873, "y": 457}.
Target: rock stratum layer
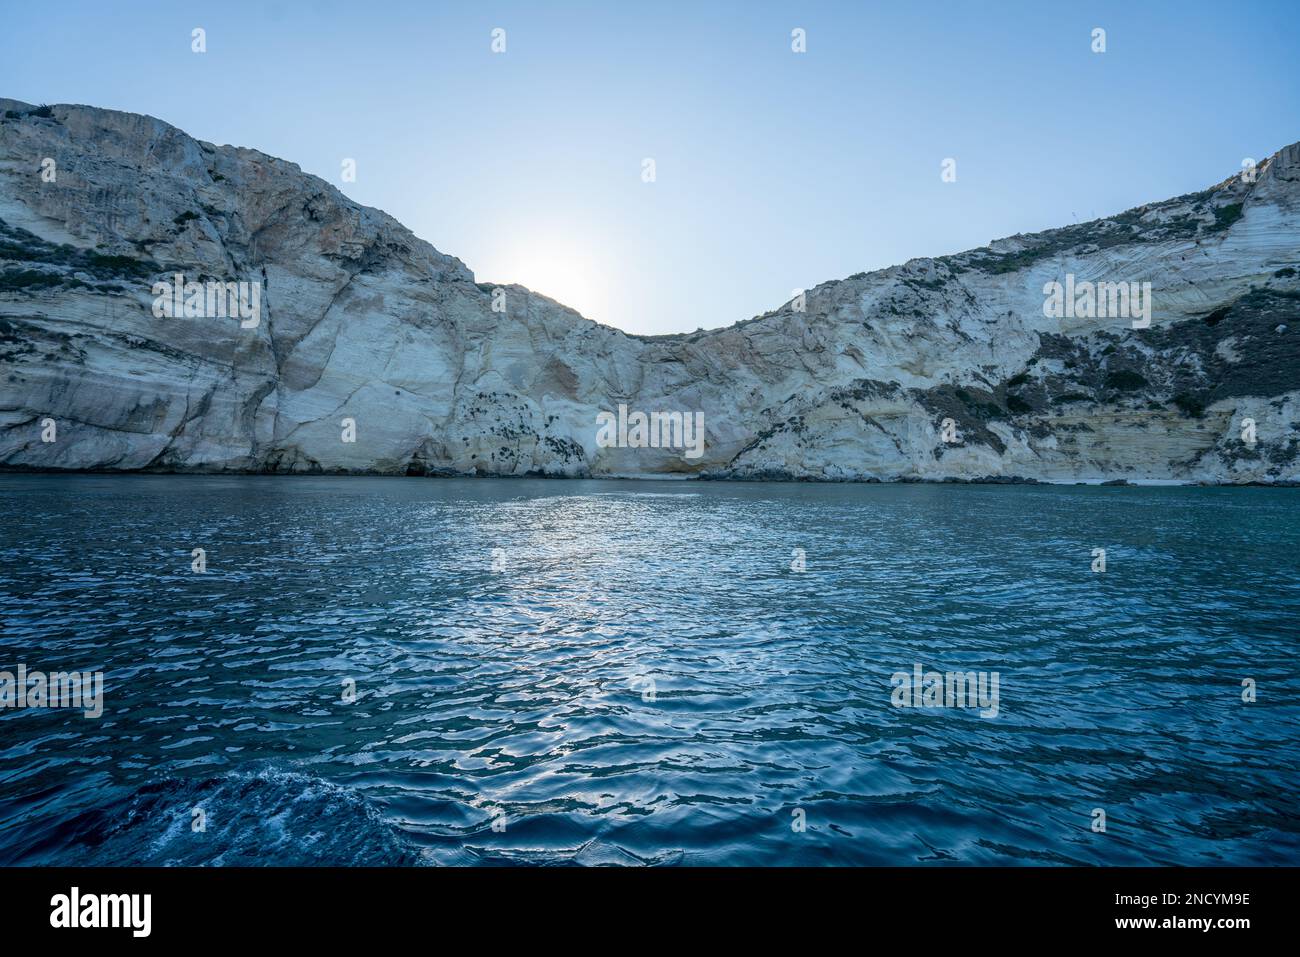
{"x": 361, "y": 320}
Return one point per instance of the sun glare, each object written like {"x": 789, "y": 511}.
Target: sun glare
{"x": 562, "y": 271}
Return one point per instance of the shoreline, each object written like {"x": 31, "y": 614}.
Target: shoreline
{"x": 712, "y": 479}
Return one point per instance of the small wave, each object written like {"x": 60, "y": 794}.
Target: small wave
{"x": 595, "y": 853}
{"x": 260, "y": 817}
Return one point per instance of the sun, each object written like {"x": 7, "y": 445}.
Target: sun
{"x": 564, "y": 271}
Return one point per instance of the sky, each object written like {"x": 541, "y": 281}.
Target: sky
{"x": 773, "y": 170}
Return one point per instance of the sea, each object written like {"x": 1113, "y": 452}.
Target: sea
{"x": 303, "y": 670}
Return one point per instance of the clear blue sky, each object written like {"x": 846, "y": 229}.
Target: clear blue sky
{"x": 775, "y": 170}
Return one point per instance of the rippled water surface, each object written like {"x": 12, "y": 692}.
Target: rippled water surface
{"x": 647, "y": 680}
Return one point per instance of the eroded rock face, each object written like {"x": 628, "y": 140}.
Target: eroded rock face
{"x": 937, "y": 369}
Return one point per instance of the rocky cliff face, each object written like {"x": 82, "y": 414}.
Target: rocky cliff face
{"x": 936, "y": 369}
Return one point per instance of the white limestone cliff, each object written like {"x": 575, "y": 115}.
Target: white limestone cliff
{"x": 361, "y": 320}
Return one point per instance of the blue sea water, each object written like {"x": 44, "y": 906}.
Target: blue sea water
{"x": 643, "y": 678}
